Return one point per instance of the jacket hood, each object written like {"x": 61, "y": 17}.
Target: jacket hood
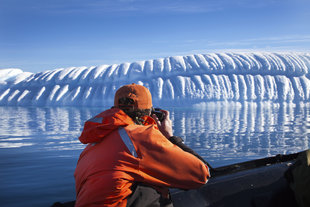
{"x": 96, "y": 128}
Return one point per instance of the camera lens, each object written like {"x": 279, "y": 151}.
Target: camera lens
{"x": 160, "y": 115}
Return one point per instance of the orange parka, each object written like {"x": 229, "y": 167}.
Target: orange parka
{"x": 119, "y": 153}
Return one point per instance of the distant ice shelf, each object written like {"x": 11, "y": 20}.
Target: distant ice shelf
{"x": 179, "y": 80}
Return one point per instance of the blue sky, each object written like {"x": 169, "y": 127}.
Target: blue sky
{"x": 39, "y": 35}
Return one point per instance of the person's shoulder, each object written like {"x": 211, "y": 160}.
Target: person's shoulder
{"x": 145, "y": 131}
{"x": 139, "y": 128}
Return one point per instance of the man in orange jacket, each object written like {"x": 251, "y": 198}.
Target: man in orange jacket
{"x": 132, "y": 157}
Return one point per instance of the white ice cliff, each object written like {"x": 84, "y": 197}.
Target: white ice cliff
{"x": 181, "y": 80}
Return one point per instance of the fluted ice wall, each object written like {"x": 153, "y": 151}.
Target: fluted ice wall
{"x": 254, "y": 77}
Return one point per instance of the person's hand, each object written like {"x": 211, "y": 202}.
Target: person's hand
{"x": 165, "y": 127}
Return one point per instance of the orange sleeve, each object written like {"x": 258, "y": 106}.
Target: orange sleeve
{"x": 165, "y": 164}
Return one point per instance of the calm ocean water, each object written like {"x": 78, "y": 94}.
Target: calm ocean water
{"x": 39, "y": 147}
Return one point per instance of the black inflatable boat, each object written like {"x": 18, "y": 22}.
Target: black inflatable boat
{"x": 257, "y": 183}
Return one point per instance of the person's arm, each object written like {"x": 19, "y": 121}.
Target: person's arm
{"x": 179, "y": 142}
{"x": 163, "y": 163}
{"x": 165, "y": 128}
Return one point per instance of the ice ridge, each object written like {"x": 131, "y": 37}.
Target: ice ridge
{"x": 179, "y": 80}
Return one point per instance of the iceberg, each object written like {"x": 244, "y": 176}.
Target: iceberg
{"x": 173, "y": 81}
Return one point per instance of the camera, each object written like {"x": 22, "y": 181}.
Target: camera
{"x": 160, "y": 115}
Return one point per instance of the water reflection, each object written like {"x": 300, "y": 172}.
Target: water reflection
{"x": 219, "y": 133}
{"x": 39, "y": 147}
{"x": 42, "y": 128}
{"x": 235, "y": 132}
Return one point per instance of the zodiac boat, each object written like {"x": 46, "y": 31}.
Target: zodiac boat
{"x": 256, "y": 183}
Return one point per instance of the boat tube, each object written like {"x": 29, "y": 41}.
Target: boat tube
{"x": 257, "y": 183}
